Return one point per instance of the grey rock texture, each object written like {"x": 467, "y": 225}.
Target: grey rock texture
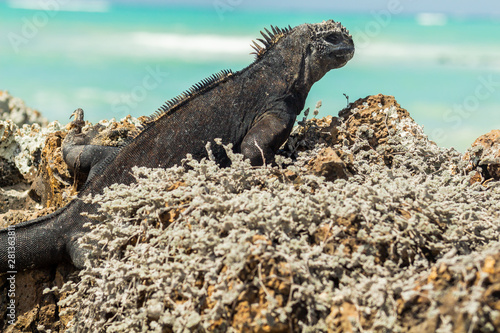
{"x": 13, "y": 108}
{"x": 364, "y": 225}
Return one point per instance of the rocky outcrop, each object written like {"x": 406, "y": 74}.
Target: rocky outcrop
{"x": 484, "y": 158}
{"x": 32, "y": 170}
{"x": 54, "y": 184}
{"x": 20, "y": 156}
{"x": 35, "y": 181}
{"x": 459, "y": 294}
{"x": 14, "y": 109}
{"x": 364, "y": 224}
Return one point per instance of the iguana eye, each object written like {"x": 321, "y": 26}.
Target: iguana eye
{"x": 333, "y": 38}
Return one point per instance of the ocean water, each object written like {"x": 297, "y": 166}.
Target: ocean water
{"x": 115, "y": 60}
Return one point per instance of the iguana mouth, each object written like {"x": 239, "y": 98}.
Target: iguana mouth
{"x": 344, "y": 52}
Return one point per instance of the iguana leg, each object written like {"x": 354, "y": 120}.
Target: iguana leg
{"x": 266, "y": 136}
{"x": 81, "y": 156}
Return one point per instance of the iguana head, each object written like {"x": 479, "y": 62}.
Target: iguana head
{"x": 331, "y": 46}
{"x": 318, "y": 48}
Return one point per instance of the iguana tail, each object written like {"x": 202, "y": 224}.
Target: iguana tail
{"x": 32, "y": 244}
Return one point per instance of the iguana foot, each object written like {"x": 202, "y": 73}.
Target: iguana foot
{"x": 78, "y": 122}
{"x": 75, "y": 137}
{"x": 79, "y": 154}
{"x": 77, "y": 252}
{"x": 266, "y": 136}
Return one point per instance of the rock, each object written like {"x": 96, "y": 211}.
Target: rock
{"x": 20, "y": 156}
{"x": 390, "y": 237}
{"x": 331, "y": 164}
{"x": 314, "y": 131}
{"x": 22, "y": 146}
{"x": 376, "y": 123}
{"x": 14, "y": 109}
{"x": 34, "y": 308}
{"x": 252, "y": 307}
{"x": 459, "y": 292}
{"x": 342, "y": 318}
{"x": 9, "y": 174}
{"x": 32, "y": 154}
{"x": 484, "y": 158}
{"x": 53, "y": 185}
{"x": 112, "y": 132}
{"x": 15, "y": 202}
{"x": 377, "y": 118}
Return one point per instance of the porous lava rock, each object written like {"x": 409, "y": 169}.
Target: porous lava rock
{"x": 484, "y": 157}
{"x": 35, "y": 182}
{"x": 14, "y": 109}
{"x": 369, "y": 226}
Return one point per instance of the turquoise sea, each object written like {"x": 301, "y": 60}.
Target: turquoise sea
{"x": 115, "y": 60}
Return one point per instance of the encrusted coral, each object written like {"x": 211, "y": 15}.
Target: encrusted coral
{"x": 202, "y": 248}
{"x": 14, "y": 109}
{"x": 363, "y": 225}
{"x": 484, "y": 157}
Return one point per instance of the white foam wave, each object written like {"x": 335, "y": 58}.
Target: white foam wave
{"x": 431, "y": 19}
{"x": 99, "y": 6}
{"x": 193, "y": 45}
{"x": 452, "y": 54}
{"x": 207, "y": 46}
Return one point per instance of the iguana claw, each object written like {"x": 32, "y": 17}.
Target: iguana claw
{"x": 78, "y": 122}
{"x": 78, "y": 113}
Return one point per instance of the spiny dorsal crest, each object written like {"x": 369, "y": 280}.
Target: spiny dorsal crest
{"x": 172, "y": 105}
{"x": 270, "y": 38}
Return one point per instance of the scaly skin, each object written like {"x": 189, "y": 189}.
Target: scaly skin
{"x": 253, "y": 109}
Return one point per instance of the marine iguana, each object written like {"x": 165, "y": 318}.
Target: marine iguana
{"x": 253, "y": 109}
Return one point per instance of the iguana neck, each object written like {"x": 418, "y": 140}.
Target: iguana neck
{"x": 286, "y": 79}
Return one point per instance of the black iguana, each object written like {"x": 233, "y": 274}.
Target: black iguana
{"x": 253, "y": 109}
